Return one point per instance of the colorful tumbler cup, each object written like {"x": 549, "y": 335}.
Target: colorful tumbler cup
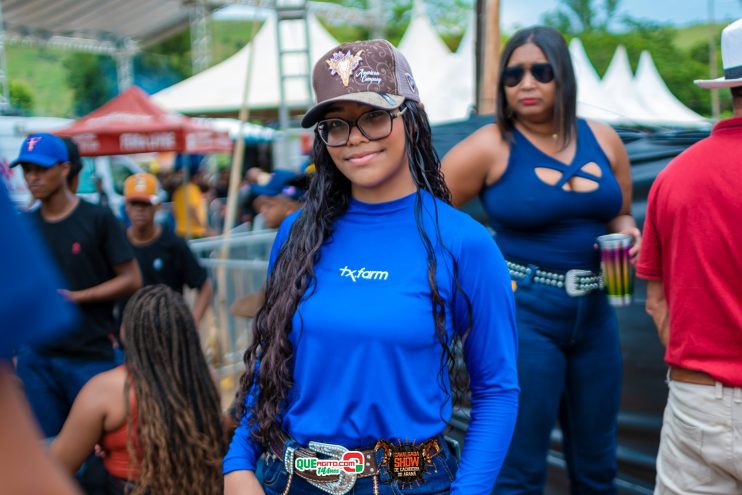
{"x": 615, "y": 262}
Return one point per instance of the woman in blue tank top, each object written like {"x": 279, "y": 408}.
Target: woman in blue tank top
{"x": 371, "y": 289}
{"x": 551, "y": 183}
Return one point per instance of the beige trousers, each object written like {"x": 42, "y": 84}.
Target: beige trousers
{"x": 701, "y": 442}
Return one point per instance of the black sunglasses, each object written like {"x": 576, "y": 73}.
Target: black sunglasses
{"x": 512, "y": 76}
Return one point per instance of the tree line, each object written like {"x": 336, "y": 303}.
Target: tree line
{"x": 679, "y": 59}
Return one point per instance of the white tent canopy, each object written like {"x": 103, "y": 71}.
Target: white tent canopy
{"x": 455, "y": 91}
{"x": 618, "y": 87}
{"x": 592, "y": 102}
{"x": 429, "y": 60}
{"x": 618, "y": 84}
{"x": 219, "y": 89}
{"x": 658, "y": 98}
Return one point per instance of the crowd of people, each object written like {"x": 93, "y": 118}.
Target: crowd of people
{"x": 385, "y": 307}
{"x": 194, "y": 204}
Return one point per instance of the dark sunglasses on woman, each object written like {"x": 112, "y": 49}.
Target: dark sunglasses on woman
{"x": 512, "y": 76}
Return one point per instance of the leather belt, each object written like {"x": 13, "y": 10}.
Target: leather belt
{"x": 371, "y": 468}
{"x": 691, "y": 376}
{"x": 575, "y": 282}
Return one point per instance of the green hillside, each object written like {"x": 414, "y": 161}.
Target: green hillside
{"x": 44, "y": 74}
{"x": 228, "y": 37}
{"x": 693, "y": 36}
{"x": 42, "y": 71}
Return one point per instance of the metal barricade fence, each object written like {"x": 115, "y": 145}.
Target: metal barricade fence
{"x": 237, "y": 267}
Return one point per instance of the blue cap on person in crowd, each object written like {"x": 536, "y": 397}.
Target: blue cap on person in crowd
{"x": 279, "y": 180}
{"x": 294, "y": 193}
{"x": 42, "y": 149}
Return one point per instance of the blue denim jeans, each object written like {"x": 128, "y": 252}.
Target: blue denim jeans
{"x": 570, "y": 369}
{"x": 274, "y": 478}
{"x": 51, "y": 384}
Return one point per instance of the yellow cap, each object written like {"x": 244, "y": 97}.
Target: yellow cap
{"x": 141, "y": 187}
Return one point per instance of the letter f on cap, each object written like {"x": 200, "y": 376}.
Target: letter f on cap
{"x": 32, "y": 142}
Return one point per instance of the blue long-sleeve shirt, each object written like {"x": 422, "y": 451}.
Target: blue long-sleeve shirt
{"x": 366, "y": 356}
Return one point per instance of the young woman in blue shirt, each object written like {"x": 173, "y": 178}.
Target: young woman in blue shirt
{"x": 372, "y": 287}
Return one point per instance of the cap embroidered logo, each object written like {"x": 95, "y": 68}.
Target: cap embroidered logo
{"x": 344, "y": 63}
{"x": 32, "y": 142}
{"x": 140, "y": 184}
{"x": 411, "y": 82}
{"x": 76, "y": 248}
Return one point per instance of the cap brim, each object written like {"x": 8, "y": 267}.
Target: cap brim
{"x": 376, "y": 100}
{"x": 36, "y": 159}
{"x": 153, "y": 200}
{"x": 259, "y": 190}
{"x": 718, "y": 83}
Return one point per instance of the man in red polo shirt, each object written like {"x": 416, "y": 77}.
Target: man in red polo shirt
{"x": 691, "y": 259}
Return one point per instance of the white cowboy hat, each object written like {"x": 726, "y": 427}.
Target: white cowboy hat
{"x": 731, "y": 56}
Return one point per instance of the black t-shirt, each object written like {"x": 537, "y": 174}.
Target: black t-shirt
{"x": 168, "y": 260}
{"x": 86, "y": 246}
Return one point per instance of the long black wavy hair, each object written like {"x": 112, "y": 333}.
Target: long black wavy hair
{"x": 327, "y": 199}
{"x": 552, "y": 43}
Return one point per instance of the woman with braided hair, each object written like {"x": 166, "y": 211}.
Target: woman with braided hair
{"x": 157, "y": 418}
{"x": 372, "y": 287}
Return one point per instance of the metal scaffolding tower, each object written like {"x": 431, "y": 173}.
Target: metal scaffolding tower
{"x": 200, "y": 37}
{"x": 4, "y": 82}
{"x": 291, "y": 15}
{"x": 292, "y": 24}
{"x": 125, "y": 64}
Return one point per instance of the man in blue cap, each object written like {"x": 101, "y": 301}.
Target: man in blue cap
{"x": 32, "y": 312}
{"x": 278, "y": 198}
{"x": 98, "y": 267}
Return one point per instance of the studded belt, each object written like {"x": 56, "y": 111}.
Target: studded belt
{"x": 335, "y": 484}
{"x": 575, "y": 282}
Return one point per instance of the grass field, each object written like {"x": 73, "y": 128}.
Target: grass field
{"x": 43, "y": 71}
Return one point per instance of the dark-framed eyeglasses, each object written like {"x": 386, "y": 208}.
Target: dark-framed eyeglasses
{"x": 374, "y": 124}
{"x": 512, "y": 76}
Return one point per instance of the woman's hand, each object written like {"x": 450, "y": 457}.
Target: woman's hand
{"x": 242, "y": 483}
{"x": 636, "y": 247}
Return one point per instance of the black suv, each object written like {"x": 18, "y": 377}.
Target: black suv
{"x": 644, "y": 388}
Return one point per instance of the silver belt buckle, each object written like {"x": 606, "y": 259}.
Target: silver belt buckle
{"x": 570, "y": 282}
{"x": 345, "y": 481}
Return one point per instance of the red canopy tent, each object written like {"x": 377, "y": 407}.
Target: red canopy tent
{"x": 132, "y": 123}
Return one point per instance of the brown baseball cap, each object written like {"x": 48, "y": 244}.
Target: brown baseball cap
{"x": 371, "y": 72}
